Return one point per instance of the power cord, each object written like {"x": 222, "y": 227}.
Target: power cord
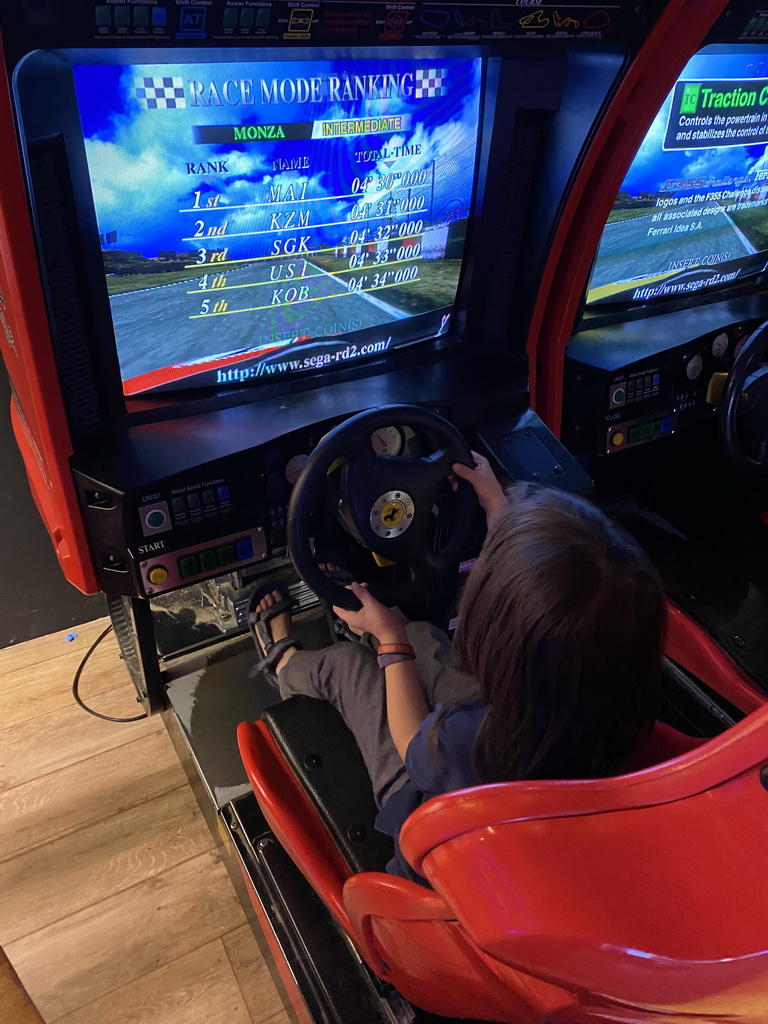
{"x": 76, "y": 684}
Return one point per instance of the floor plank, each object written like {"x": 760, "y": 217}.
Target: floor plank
{"x": 69, "y": 874}
{"x": 45, "y": 809}
{"x": 44, "y": 686}
{"x": 198, "y": 988}
{"x": 60, "y": 738}
{"x": 55, "y": 645}
{"x": 253, "y": 977}
{"x": 119, "y": 940}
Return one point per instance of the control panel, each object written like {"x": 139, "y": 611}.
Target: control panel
{"x": 612, "y": 404}
{"x": 639, "y": 409}
{"x": 152, "y": 533}
{"x": 156, "y": 535}
{"x": 189, "y": 565}
{"x": 215, "y": 22}
{"x": 160, "y": 22}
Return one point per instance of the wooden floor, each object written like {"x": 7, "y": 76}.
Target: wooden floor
{"x": 114, "y": 905}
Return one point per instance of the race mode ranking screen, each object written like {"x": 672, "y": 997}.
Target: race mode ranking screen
{"x": 264, "y": 219}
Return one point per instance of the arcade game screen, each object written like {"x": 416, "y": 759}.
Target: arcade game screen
{"x": 692, "y": 213}
{"x": 270, "y": 219}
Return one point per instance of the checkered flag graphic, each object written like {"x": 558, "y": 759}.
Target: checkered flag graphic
{"x": 160, "y": 93}
{"x": 430, "y": 82}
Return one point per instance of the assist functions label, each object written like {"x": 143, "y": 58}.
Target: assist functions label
{"x": 708, "y": 112}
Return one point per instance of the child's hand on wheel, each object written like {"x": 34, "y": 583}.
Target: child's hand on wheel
{"x": 373, "y": 617}
{"x": 483, "y": 480}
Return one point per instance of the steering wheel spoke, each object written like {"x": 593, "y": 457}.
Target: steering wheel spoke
{"x": 442, "y": 460}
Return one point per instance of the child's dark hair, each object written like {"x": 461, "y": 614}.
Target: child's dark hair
{"x": 561, "y": 622}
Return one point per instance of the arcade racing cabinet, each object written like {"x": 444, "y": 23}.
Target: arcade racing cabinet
{"x": 226, "y": 228}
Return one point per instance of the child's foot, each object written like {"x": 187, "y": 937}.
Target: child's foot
{"x": 269, "y": 620}
{"x": 279, "y": 626}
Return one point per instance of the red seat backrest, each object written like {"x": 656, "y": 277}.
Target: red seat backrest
{"x": 664, "y": 744}
{"x": 646, "y": 890}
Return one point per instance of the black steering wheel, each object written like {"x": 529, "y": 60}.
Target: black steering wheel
{"x": 385, "y": 502}
{"x": 744, "y": 405}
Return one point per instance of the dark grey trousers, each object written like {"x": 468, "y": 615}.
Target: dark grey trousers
{"x": 348, "y": 676}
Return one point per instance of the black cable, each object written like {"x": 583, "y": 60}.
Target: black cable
{"x": 76, "y": 683}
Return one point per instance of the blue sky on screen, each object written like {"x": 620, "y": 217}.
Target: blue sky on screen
{"x": 652, "y": 166}
{"x": 137, "y": 157}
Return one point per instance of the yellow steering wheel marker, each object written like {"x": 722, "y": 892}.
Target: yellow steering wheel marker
{"x": 383, "y": 563}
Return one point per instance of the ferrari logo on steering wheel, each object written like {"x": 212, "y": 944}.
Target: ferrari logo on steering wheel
{"x": 392, "y": 514}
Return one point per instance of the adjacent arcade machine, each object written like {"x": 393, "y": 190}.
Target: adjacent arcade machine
{"x": 267, "y": 268}
{"x": 662, "y": 392}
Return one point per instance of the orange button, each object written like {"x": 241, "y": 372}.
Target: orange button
{"x": 617, "y": 439}
{"x": 157, "y": 574}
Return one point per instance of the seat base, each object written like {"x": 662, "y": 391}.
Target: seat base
{"x": 322, "y": 753}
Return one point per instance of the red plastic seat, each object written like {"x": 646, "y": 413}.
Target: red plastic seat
{"x": 636, "y": 898}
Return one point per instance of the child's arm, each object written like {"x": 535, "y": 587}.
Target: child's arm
{"x": 482, "y": 478}
{"x": 406, "y": 704}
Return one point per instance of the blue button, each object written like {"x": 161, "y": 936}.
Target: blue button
{"x": 244, "y": 548}
{"x": 158, "y": 16}
{"x": 655, "y": 380}
{"x": 666, "y": 424}
{"x": 192, "y": 19}
{"x": 223, "y": 493}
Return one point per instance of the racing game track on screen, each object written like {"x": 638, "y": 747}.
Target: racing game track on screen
{"x": 692, "y": 213}
{"x": 258, "y": 220}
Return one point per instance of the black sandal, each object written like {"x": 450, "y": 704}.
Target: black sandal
{"x": 258, "y": 622}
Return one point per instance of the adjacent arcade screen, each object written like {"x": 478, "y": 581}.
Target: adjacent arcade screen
{"x": 260, "y": 220}
{"x": 692, "y": 214}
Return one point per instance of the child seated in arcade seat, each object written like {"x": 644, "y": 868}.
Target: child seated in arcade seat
{"x": 553, "y": 673}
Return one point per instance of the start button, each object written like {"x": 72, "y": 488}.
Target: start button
{"x": 617, "y": 439}
{"x": 157, "y": 574}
